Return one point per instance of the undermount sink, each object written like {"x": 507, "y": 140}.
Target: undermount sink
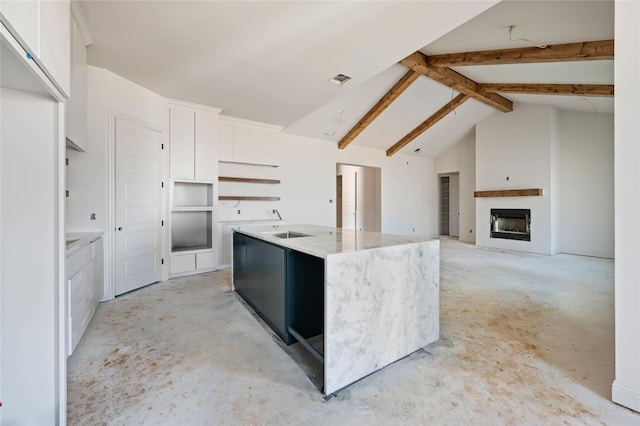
{"x": 289, "y": 234}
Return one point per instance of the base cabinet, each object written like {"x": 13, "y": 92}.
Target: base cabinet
{"x": 259, "y": 271}
{"x": 85, "y": 288}
{"x": 189, "y": 263}
{"x": 240, "y": 264}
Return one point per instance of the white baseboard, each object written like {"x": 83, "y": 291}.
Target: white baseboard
{"x": 629, "y": 398}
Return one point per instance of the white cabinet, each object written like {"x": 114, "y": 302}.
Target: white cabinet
{"x": 22, "y": 18}
{"x": 54, "y": 51}
{"x": 76, "y": 115}
{"x": 42, "y": 27}
{"x": 194, "y": 142}
{"x": 248, "y": 142}
{"x": 206, "y": 145}
{"x": 85, "y": 286}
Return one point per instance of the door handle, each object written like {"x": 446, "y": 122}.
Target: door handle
{"x": 120, "y": 228}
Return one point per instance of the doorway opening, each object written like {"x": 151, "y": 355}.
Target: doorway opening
{"x": 449, "y": 185}
{"x": 358, "y": 197}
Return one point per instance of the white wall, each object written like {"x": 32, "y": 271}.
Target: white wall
{"x": 626, "y": 387}
{"x": 586, "y": 204}
{"x": 309, "y": 183}
{"x": 519, "y": 145}
{"x": 88, "y": 172}
{"x": 462, "y": 158}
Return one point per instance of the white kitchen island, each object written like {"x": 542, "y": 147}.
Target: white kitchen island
{"x": 378, "y": 294}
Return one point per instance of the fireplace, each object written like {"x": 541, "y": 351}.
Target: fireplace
{"x": 511, "y": 224}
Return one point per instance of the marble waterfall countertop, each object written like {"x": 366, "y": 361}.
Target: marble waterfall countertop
{"x": 323, "y": 240}
{"x": 381, "y": 295}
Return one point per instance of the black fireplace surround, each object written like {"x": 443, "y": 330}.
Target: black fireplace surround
{"x": 511, "y": 224}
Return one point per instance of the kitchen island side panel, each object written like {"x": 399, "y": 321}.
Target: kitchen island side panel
{"x": 380, "y": 306}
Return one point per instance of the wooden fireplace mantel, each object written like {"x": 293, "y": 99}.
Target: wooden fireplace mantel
{"x": 533, "y": 192}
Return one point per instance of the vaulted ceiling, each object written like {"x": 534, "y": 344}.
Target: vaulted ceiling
{"x": 272, "y": 61}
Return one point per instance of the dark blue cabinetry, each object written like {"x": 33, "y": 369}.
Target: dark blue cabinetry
{"x": 259, "y": 274}
{"x": 285, "y": 287}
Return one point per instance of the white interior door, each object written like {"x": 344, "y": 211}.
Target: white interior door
{"x": 454, "y": 206}
{"x": 138, "y": 193}
{"x": 349, "y": 200}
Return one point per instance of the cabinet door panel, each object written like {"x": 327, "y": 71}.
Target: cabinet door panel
{"x": 225, "y": 143}
{"x": 183, "y": 263}
{"x": 79, "y": 89}
{"x": 264, "y": 145}
{"x": 55, "y": 44}
{"x": 182, "y": 129}
{"x": 22, "y": 17}
{"x": 242, "y": 143}
{"x": 205, "y": 260}
{"x": 240, "y": 264}
{"x": 273, "y": 286}
{"x": 82, "y": 304}
{"x": 254, "y": 273}
{"x": 206, "y": 146}
{"x": 71, "y": 104}
{"x": 98, "y": 271}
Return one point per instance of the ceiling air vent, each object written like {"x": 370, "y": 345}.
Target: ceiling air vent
{"x": 340, "y": 79}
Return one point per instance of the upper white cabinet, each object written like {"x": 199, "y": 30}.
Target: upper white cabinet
{"x": 194, "y": 142}
{"x": 22, "y": 19}
{"x": 243, "y": 141}
{"x": 42, "y": 27}
{"x": 76, "y": 106}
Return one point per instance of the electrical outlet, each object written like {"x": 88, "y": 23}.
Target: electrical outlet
{"x": 93, "y": 216}
{"x": 238, "y": 211}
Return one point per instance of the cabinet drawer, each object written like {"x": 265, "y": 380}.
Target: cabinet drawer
{"x": 206, "y": 260}
{"x": 183, "y": 263}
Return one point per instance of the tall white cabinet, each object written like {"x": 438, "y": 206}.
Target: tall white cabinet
{"x": 194, "y": 173}
{"x": 32, "y": 314}
{"x": 76, "y": 107}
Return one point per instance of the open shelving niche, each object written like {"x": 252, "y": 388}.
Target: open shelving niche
{"x": 246, "y": 175}
{"x": 192, "y": 225}
{"x": 249, "y": 195}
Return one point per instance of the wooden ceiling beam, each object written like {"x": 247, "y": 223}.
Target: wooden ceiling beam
{"x": 590, "y": 90}
{"x": 570, "y": 52}
{"x": 418, "y": 62}
{"x": 429, "y": 122}
{"x": 388, "y": 98}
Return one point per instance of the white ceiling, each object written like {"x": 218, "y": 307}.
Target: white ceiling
{"x": 271, "y": 61}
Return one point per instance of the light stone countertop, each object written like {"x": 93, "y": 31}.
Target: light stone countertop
{"x": 82, "y": 239}
{"x": 324, "y": 241}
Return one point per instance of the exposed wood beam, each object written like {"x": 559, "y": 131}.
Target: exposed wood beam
{"x": 418, "y": 62}
{"x": 437, "y": 116}
{"x": 591, "y": 90}
{"x": 570, "y": 52}
{"x": 380, "y": 106}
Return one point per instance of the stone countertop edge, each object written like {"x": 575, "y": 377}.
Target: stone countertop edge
{"x": 84, "y": 239}
{"x": 325, "y": 241}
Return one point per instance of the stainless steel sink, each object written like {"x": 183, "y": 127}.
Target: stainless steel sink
{"x": 289, "y": 234}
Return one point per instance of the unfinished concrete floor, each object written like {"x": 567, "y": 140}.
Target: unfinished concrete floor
{"x": 525, "y": 339}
